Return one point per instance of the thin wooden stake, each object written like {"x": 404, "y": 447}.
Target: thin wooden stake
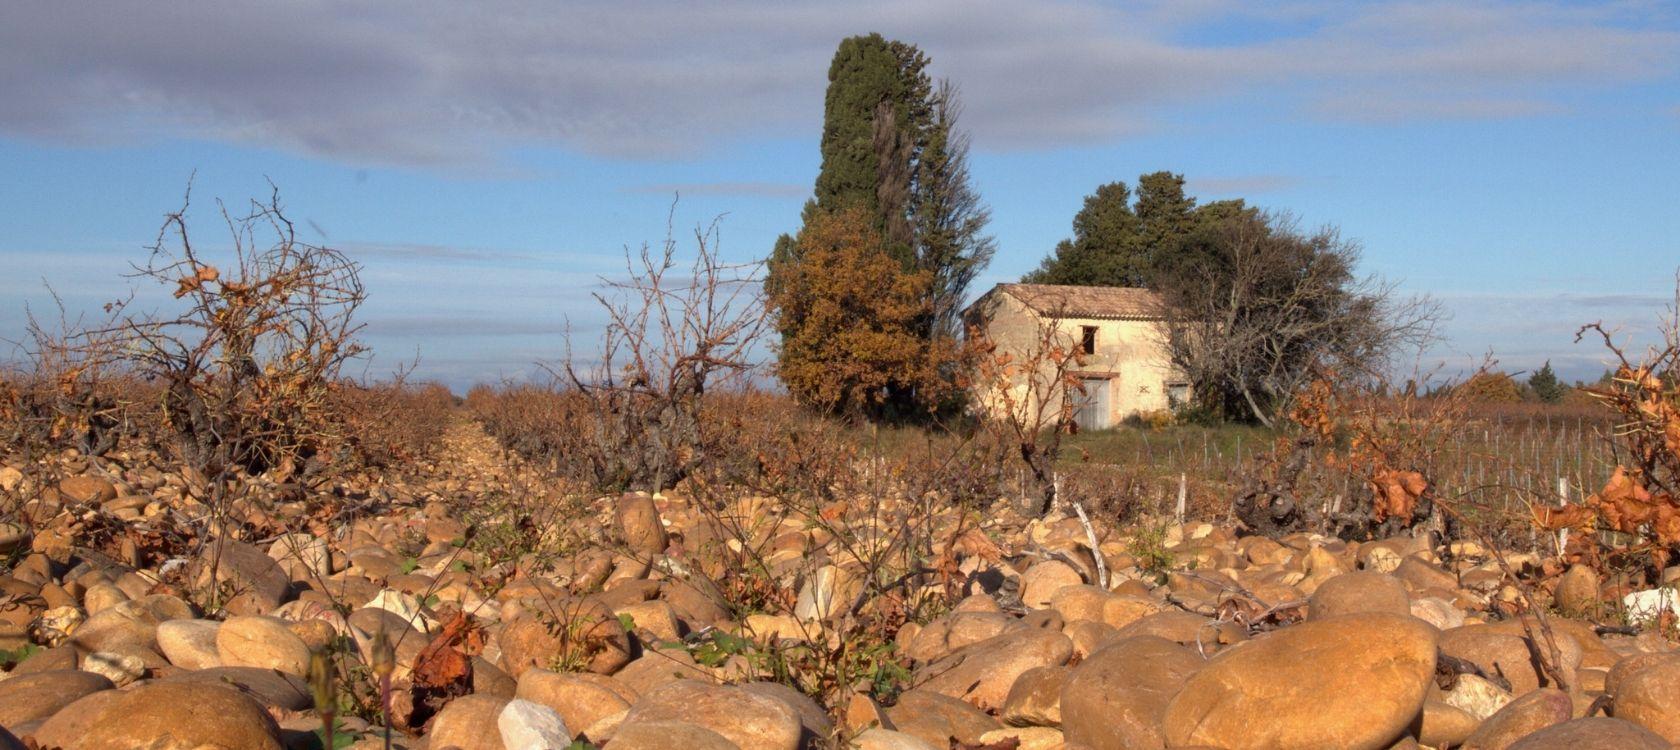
{"x": 1091, "y": 536}
{"x": 1183, "y": 498}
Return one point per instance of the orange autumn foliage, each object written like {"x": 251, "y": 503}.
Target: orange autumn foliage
{"x": 1395, "y": 493}
{"x": 1490, "y": 388}
{"x": 853, "y": 319}
{"x": 1385, "y": 447}
{"x": 190, "y": 284}
{"x": 1627, "y": 506}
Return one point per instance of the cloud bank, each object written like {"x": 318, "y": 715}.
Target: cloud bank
{"x": 443, "y": 83}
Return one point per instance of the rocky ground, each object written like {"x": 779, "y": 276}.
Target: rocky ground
{"x": 500, "y": 617}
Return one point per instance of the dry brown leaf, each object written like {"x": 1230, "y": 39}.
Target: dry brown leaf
{"x": 1395, "y": 493}
{"x": 447, "y": 660}
{"x": 972, "y": 543}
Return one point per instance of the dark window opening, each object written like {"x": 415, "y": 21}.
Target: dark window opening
{"x": 1088, "y": 340}
{"x": 1178, "y": 395}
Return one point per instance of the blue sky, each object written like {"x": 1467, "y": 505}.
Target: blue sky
{"x": 1519, "y": 162}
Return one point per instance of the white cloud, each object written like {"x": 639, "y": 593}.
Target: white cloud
{"x": 432, "y": 327}
{"x": 423, "y": 252}
{"x": 1525, "y": 329}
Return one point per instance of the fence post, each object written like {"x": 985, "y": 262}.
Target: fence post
{"x": 1563, "y": 502}
{"x": 1183, "y": 498}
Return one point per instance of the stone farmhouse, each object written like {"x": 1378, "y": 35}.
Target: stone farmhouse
{"x": 1125, "y": 371}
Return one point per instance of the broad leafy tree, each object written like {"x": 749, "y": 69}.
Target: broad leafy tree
{"x": 1258, "y": 307}
{"x": 851, "y": 319}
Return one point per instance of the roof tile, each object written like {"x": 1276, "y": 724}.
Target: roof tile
{"x": 1062, "y": 301}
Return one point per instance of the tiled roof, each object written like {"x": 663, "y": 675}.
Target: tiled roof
{"x": 1054, "y": 300}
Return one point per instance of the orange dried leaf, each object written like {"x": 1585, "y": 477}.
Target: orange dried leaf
{"x": 1568, "y": 517}
{"x": 447, "y": 660}
{"x": 972, "y": 543}
{"x": 1624, "y": 504}
{"x": 1395, "y": 493}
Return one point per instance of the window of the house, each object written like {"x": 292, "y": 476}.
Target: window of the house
{"x": 1178, "y": 394}
{"x": 1087, "y": 339}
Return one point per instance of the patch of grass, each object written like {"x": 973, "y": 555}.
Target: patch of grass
{"x": 1149, "y": 548}
{"x": 1204, "y": 451}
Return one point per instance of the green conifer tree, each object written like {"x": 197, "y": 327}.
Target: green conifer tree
{"x": 1546, "y": 386}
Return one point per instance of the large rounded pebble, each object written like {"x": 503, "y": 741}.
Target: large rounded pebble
{"x": 664, "y": 735}
{"x": 750, "y": 720}
{"x": 262, "y": 642}
{"x": 37, "y": 696}
{"x": 189, "y": 644}
{"x": 1650, "y": 697}
{"x": 1597, "y": 733}
{"x": 170, "y": 714}
{"x": 469, "y": 722}
{"x": 1355, "y": 682}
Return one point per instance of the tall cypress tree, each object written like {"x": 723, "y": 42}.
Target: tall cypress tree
{"x": 874, "y": 115}
{"x": 875, "y": 124}
{"x": 891, "y": 152}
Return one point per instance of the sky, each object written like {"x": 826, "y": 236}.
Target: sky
{"x": 489, "y": 164}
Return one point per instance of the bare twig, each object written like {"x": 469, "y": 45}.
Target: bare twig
{"x": 1096, "y": 552}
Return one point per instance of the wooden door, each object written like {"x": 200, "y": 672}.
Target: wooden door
{"x": 1092, "y": 410}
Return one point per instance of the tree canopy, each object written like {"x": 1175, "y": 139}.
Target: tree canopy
{"x": 1255, "y": 305}
{"x": 1257, "y": 308}
{"x": 1120, "y": 241}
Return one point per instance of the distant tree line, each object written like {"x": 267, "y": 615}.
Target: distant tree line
{"x": 1542, "y": 385}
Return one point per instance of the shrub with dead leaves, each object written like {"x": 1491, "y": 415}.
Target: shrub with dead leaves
{"x": 1640, "y": 503}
